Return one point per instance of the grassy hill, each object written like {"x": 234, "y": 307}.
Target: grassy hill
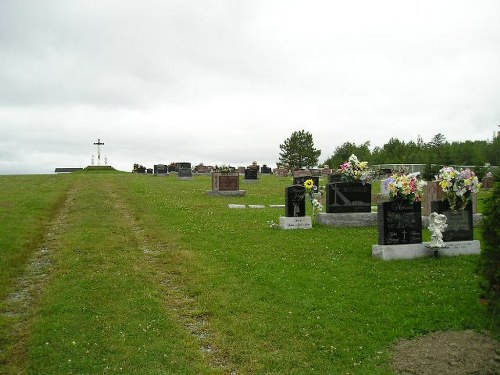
{"x": 104, "y": 273}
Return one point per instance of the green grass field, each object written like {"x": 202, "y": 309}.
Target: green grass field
{"x": 117, "y": 273}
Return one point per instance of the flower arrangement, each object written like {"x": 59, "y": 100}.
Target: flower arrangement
{"x": 405, "y": 188}
{"x": 224, "y": 168}
{"x": 314, "y": 195}
{"x": 458, "y": 186}
{"x": 354, "y": 170}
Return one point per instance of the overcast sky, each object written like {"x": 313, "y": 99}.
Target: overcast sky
{"x": 227, "y": 81}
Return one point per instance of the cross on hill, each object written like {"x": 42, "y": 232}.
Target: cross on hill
{"x": 99, "y": 144}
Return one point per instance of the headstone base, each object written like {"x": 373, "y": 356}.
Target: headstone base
{"x": 227, "y": 193}
{"x": 302, "y": 222}
{"x": 421, "y": 250}
{"x": 249, "y": 181}
{"x": 185, "y": 178}
{"x": 351, "y": 219}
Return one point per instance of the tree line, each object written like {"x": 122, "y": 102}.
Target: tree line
{"x": 298, "y": 152}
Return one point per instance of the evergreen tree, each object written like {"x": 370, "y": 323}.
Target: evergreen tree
{"x": 298, "y": 151}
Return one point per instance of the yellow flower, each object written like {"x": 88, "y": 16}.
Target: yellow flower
{"x": 309, "y": 184}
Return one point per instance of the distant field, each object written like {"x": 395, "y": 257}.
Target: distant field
{"x": 117, "y": 273}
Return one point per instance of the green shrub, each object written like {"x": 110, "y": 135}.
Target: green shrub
{"x": 490, "y": 252}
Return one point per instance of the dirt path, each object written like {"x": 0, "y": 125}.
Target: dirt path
{"x": 448, "y": 353}
{"x": 19, "y": 307}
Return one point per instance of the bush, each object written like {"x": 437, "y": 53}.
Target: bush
{"x": 490, "y": 252}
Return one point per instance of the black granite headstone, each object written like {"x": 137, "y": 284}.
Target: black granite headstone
{"x": 182, "y": 165}
{"x": 460, "y": 223}
{"x": 295, "y": 201}
{"x": 251, "y": 174}
{"x": 399, "y": 223}
{"x": 344, "y": 197}
{"x": 265, "y": 169}
{"x": 185, "y": 172}
{"x": 160, "y": 169}
{"x": 300, "y": 180}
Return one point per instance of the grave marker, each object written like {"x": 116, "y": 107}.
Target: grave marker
{"x": 399, "y": 223}
{"x": 460, "y": 223}
{"x": 295, "y": 201}
{"x": 344, "y": 197}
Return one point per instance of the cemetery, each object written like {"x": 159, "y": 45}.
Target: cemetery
{"x": 300, "y": 260}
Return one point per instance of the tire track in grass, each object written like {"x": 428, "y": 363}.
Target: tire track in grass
{"x": 19, "y": 307}
{"x": 176, "y": 299}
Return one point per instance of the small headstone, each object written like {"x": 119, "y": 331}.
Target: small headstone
{"x": 225, "y": 181}
{"x": 251, "y": 174}
{"x": 265, "y": 169}
{"x": 488, "y": 181}
{"x": 295, "y": 202}
{"x": 460, "y": 223}
{"x": 342, "y": 197}
{"x": 182, "y": 165}
{"x": 303, "y": 222}
{"x": 241, "y": 170}
{"x": 399, "y": 223}
{"x": 160, "y": 169}
{"x": 149, "y": 170}
{"x": 282, "y": 172}
{"x": 184, "y": 173}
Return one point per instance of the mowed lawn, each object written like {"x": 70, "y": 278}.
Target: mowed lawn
{"x": 117, "y": 273}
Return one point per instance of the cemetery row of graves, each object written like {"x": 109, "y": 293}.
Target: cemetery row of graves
{"x": 403, "y": 208}
{"x": 193, "y": 286}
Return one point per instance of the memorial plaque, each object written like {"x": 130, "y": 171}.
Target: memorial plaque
{"x": 342, "y": 197}
{"x": 295, "y": 201}
{"x": 460, "y": 223}
{"x": 399, "y": 224}
{"x": 301, "y": 179}
{"x": 251, "y": 174}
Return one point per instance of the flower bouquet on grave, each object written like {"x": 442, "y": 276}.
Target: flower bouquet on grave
{"x": 458, "y": 186}
{"x": 223, "y": 168}
{"x": 314, "y": 196}
{"x": 405, "y": 188}
{"x": 354, "y": 170}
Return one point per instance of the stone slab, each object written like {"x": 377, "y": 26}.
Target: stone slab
{"x": 227, "y": 193}
{"x": 236, "y": 206}
{"x": 250, "y": 181}
{"x": 257, "y": 206}
{"x": 302, "y": 222}
{"x": 277, "y": 205}
{"x": 351, "y": 219}
{"x": 412, "y": 251}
